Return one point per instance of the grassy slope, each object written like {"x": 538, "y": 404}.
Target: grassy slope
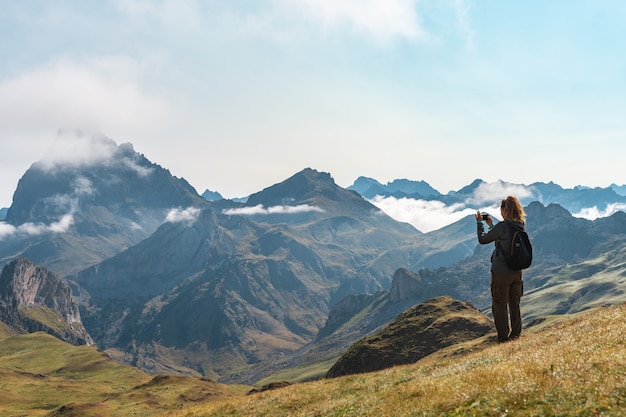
{"x": 41, "y": 375}
{"x": 6, "y": 331}
{"x": 577, "y": 287}
{"x": 566, "y": 366}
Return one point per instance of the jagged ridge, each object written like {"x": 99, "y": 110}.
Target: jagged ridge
{"x": 34, "y": 299}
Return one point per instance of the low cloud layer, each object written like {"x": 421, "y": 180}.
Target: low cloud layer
{"x": 32, "y": 229}
{"x": 259, "y": 209}
{"x": 427, "y": 215}
{"x": 594, "y": 212}
{"x": 424, "y": 215}
{"x": 485, "y": 192}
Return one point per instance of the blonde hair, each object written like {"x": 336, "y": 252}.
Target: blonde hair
{"x": 512, "y": 210}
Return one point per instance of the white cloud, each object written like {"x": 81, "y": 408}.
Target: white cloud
{"x": 61, "y": 226}
{"x": 82, "y": 186}
{"x": 188, "y": 215}
{"x": 259, "y": 209}
{"x": 381, "y": 20}
{"x": 139, "y": 169}
{"x": 95, "y": 93}
{"x": 490, "y": 193}
{"x": 592, "y": 213}
{"x": 74, "y": 148}
{"x": 6, "y": 230}
{"x": 422, "y": 214}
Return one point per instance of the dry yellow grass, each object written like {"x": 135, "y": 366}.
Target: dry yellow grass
{"x": 570, "y": 367}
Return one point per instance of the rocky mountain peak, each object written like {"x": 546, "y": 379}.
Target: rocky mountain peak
{"x": 85, "y": 170}
{"x": 87, "y": 200}
{"x": 312, "y": 188}
{"x": 295, "y": 189}
{"x": 34, "y": 299}
{"x": 369, "y": 188}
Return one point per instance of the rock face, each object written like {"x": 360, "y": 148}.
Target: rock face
{"x": 405, "y": 284}
{"x": 416, "y": 333}
{"x": 34, "y": 299}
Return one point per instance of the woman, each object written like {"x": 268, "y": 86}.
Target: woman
{"x": 507, "y": 286}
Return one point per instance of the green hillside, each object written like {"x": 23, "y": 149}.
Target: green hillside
{"x": 566, "y": 366}
{"x": 43, "y": 376}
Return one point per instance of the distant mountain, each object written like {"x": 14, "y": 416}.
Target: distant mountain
{"x": 211, "y": 195}
{"x": 619, "y": 189}
{"x": 481, "y": 193}
{"x": 3, "y": 213}
{"x": 369, "y": 188}
{"x": 33, "y": 299}
{"x": 71, "y": 211}
{"x": 414, "y": 334}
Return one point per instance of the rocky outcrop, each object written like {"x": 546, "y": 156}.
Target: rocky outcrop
{"x": 347, "y": 308}
{"x": 414, "y": 334}
{"x": 404, "y": 285}
{"x": 34, "y": 299}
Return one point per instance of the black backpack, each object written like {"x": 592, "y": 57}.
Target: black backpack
{"x": 520, "y": 255}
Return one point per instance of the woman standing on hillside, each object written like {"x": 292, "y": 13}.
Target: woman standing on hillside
{"x": 507, "y": 286}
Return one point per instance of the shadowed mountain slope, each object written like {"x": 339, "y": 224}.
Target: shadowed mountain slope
{"x": 229, "y": 289}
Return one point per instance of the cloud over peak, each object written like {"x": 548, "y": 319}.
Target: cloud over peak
{"x": 75, "y": 148}
{"x": 187, "y": 216}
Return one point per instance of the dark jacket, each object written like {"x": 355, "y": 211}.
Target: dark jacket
{"x": 500, "y": 234}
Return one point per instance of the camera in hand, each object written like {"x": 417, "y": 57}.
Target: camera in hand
{"x": 485, "y": 216}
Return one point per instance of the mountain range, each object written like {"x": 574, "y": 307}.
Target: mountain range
{"x": 294, "y": 274}
{"x": 478, "y": 192}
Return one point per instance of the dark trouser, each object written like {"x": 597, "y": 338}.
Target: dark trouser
{"x": 506, "y": 291}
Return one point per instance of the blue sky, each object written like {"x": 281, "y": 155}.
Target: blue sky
{"x": 237, "y": 95}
